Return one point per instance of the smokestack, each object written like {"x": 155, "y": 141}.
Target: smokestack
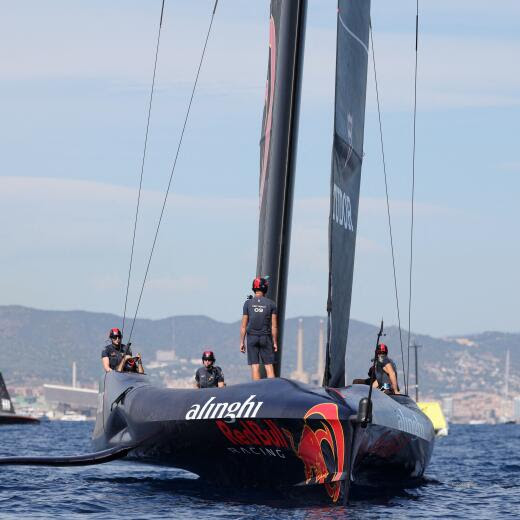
{"x": 299, "y": 366}
{"x": 299, "y": 374}
{"x": 321, "y": 351}
{"x": 73, "y": 374}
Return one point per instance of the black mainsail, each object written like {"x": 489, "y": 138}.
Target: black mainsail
{"x": 6, "y": 405}
{"x": 347, "y": 156}
{"x": 278, "y": 149}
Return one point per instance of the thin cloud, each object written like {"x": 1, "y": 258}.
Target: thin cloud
{"x": 455, "y": 71}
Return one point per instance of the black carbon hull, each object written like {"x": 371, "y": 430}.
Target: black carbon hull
{"x": 13, "y": 418}
{"x": 266, "y": 433}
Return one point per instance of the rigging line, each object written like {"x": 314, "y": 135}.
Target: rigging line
{"x": 142, "y": 166}
{"x": 173, "y": 169}
{"x": 388, "y": 206}
{"x": 413, "y": 188}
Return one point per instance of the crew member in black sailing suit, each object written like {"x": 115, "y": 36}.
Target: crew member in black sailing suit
{"x": 113, "y": 354}
{"x": 209, "y": 376}
{"x": 260, "y": 322}
{"x": 386, "y": 371}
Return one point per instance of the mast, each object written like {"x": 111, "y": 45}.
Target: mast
{"x": 347, "y": 155}
{"x": 278, "y": 149}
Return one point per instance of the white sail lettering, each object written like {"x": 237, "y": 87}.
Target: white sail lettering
{"x": 350, "y": 127}
{"x": 342, "y": 209}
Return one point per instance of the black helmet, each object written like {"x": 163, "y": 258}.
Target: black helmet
{"x": 260, "y": 284}
{"x": 208, "y": 355}
{"x": 115, "y": 333}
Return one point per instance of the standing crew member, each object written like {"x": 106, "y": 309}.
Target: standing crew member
{"x": 209, "y": 376}
{"x": 113, "y": 354}
{"x": 386, "y": 371}
{"x": 260, "y": 322}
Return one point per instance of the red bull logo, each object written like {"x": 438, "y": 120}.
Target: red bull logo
{"x": 322, "y": 449}
{"x": 251, "y": 433}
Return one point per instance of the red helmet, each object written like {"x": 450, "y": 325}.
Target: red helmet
{"x": 382, "y": 348}
{"x": 115, "y": 333}
{"x": 260, "y": 284}
{"x": 208, "y": 355}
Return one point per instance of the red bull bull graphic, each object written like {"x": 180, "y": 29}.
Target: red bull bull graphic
{"x": 322, "y": 449}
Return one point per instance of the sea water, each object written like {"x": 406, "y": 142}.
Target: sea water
{"x": 474, "y": 473}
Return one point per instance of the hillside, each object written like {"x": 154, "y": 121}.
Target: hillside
{"x": 39, "y": 346}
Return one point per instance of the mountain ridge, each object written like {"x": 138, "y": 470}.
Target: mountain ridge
{"x": 39, "y": 345}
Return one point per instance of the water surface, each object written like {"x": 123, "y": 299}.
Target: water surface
{"x": 474, "y": 473}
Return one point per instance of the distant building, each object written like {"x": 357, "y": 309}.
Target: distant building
{"x": 299, "y": 374}
{"x": 65, "y": 398}
{"x": 165, "y": 356}
{"x": 516, "y": 410}
{"x": 447, "y": 407}
{"x": 317, "y": 378}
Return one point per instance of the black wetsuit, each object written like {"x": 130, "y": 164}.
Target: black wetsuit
{"x": 115, "y": 355}
{"x": 209, "y": 377}
{"x": 259, "y": 310}
{"x": 381, "y": 376}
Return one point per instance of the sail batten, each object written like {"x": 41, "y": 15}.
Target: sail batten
{"x": 347, "y": 157}
{"x": 278, "y": 149}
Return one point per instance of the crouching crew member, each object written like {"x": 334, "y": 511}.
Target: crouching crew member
{"x": 113, "y": 354}
{"x": 209, "y": 376}
{"x": 260, "y": 322}
{"x": 386, "y": 371}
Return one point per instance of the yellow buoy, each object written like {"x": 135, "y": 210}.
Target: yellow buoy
{"x": 433, "y": 410}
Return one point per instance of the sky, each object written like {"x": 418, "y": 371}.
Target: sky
{"x": 74, "y": 86}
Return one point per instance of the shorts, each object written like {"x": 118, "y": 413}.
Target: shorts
{"x": 260, "y": 350}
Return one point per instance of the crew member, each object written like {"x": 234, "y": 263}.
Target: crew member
{"x": 209, "y": 376}
{"x": 386, "y": 371}
{"x": 113, "y": 354}
{"x": 367, "y": 380}
{"x": 260, "y": 322}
